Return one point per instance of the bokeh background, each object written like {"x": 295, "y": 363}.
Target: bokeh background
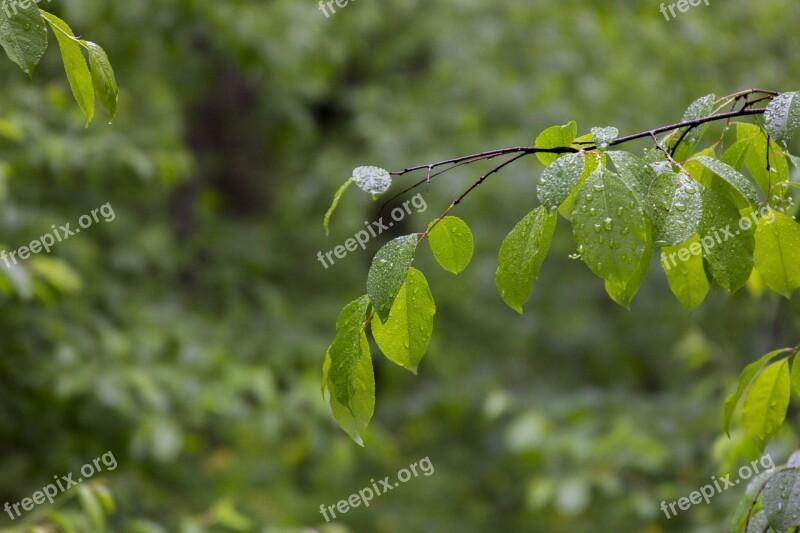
{"x": 187, "y": 336}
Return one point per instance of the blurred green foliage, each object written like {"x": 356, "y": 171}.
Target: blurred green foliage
{"x": 186, "y": 336}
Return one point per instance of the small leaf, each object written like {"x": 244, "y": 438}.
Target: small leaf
{"x": 560, "y": 179}
{"x": 604, "y": 136}
{"x": 405, "y": 336}
{"x": 780, "y": 502}
{"x": 740, "y": 186}
{"x": 609, "y": 227}
{"x": 683, "y": 265}
{"x": 766, "y": 402}
{"x": 782, "y": 117}
{"x": 451, "y": 243}
{"x": 348, "y": 382}
{"x": 555, "y": 137}
{"x": 23, "y": 34}
{"x": 702, "y": 107}
{"x": 744, "y": 380}
{"x": 336, "y": 197}
{"x": 675, "y": 206}
{"x": 78, "y": 75}
{"x": 521, "y": 256}
{"x": 373, "y": 180}
{"x": 103, "y": 80}
{"x": 777, "y": 252}
{"x": 388, "y": 272}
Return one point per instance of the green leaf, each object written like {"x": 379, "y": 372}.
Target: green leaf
{"x": 373, "y": 180}
{"x": 777, "y": 252}
{"x": 103, "y": 80}
{"x": 702, "y": 107}
{"x": 560, "y": 179}
{"x": 521, "y": 256}
{"x": 80, "y": 79}
{"x": 635, "y": 172}
{"x": 755, "y": 156}
{"x": 90, "y": 503}
{"x": 758, "y": 523}
{"x": 591, "y": 164}
{"x": 23, "y": 34}
{"x": 780, "y": 502}
{"x": 348, "y": 381}
{"x": 685, "y": 272}
{"x": 740, "y": 186}
{"x": 727, "y": 248}
{"x": 744, "y": 380}
{"x": 609, "y": 227}
{"x": 388, "y": 272}
{"x": 405, "y": 336}
{"x": 451, "y": 243}
{"x": 555, "y": 137}
{"x": 782, "y": 117}
{"x": 675, "y": 207}
{"x": 623, "y": 292}
{"x": 336, "y": 197}
{"x": 766, "y": 402}
{"x": 604, "y": 136}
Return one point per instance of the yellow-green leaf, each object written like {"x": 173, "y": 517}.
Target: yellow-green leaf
{"x": 777, "y": 252}
{"x": 766, "y": 402}
{"x": 78, "y": 75}
{"x": 451, "y": 243}
{"x": 683, "y": 265}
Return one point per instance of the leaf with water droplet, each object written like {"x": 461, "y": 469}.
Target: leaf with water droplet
{"x": 521, "y": 256}
{"x": 702, "y": 107}
{"x": 23, "y": 34}
{"x": 604, "y": 136}
{"x": 451, "y": 243}
{"x": 373, "y": 180}
{"x": 555, "y": 137}
{"x": 685, "y": 272}
{"x": 405, "y": 336}
{"x": 623, "y": 292}
{"x": 766, "y": 401}
{"x": 741, "y": 191}
{"x": 782, "y": 117}
{"x": 388, "y": 272}
{"x": 600, "y": 250}
{"x": 777, "y": 252}
{"x": 637, "y": 174}
{"x": 103, "y": 79}
{"x": 675, "y": 207}
{"x": 348, "y": 382}
{"x": 729, "y": 255}
{"x": 560, "y": 179}
{"x": 782, "y": 510}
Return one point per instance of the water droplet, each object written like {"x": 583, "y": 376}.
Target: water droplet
{"x": 626, "y": 230}
{"x": 608, "y": 223}
{"x": 598, "y": 228}
{"x": 599, "y": 187}
{"x": 592, "y": 212}
{"x": 620, "y": 210}
{"x": 589, "y": 197}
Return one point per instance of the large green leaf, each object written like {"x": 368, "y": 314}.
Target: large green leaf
{"x": 683, "y": 265}
{"x": 623, "y": 292}
{"x": 388, "y": 272}
{"x": 560, "y": 179}
{"x": 348, "y": 382}
{"x": 609, "y": 227}
{"x": 103, "y": 80}
{"x": 405, "y": 336}
{"x": 780, "y": 500}
{"x": 744, "y": 380}
{"x": 743, "y": 192}
{"x": 555, "y": 137}
{"x": 675, "y": 206}
{"x": 777, "y": 252}
{"x": 782, "y": 117}
{"x": 78, "y": 74}
{"x": 727, "y": 247}
{"x": 766, "y": 402}
{"x": 521, "y": 256}
{"x": 451, "y": 243}
{"x": 23, "y": 34}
